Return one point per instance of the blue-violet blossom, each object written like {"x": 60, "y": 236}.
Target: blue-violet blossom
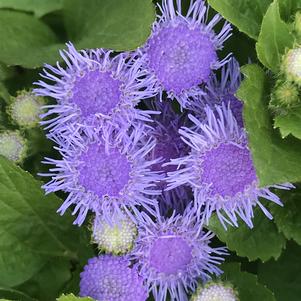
{"x": 172, "y": 254}
{"x": 95, "y": 89}
{"x": 105, "y": 178}
{"x": 110, "y": 278}
{"x": 220, "y": 170}
{"x": 182, "y": 49}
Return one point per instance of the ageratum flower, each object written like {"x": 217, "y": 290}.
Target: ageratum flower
{"x": 173, "y": 254}
{"x": 182, "y": 49}
{"x": 221, "y": 89}
{"x": 105, "y": 178}
{"x": 220, "y": 170}
{"x": 110, "y": 278}
{"x": 169, "y": 145}
{"x": 117, "y": 237}
{"x": 13, "y": 146}
{"x": 215, "y": 291}
{"x": 94, "y": 89}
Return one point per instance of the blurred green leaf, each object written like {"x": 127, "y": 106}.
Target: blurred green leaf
{"x": 288, "y": 8}
{"x": 115, "y": 24}
{"x": 284, "y": 275}
{"x": 262, "y": 242}
{"x": 273, "y": 39}
{"x": 276, "y": 160}
{"x": 246, "y": 15}
{"x": 38, "y": 7}
{"x": 30, "y": 230}
{"x": 288, "y": 218}
{"x": 49, "y": 282}
{"x": 3, "y": 92}
{"x": 12, "y": 294}
{"x": 289, "y": 123}
{"x": 26, "y": 41}
{"x": 246, "y": 284}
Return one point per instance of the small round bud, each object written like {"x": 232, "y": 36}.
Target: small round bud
{"x": 13, "y": 146}
{"x": 291, "y": 65}
{"x": 215, "y": 291}
{"x": 25, "y": 109}
{"x": 117, "y": 238}
{"x": 285, "y": 95}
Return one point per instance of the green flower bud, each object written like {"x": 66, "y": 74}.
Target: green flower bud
{"x": 117, "y": 238}
{"x": 285, "y": 96}
{"x": 13, "y": 146}
{"x": 215, "y": 291}
{"x": 291, "y": 65}
{"x": 25, "y": 109}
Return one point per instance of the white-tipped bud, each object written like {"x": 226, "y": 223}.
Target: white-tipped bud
{"x": 291, "y": 65}
{"x": 25, "y": 109}
{"x": 117, "y": 238}
{"x": 13, "y": 146}
{"x": 215, "y": 291}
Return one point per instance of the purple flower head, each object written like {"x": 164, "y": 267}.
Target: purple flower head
{"x": 182, "y": 50}
{"x": 220, "y": 169}
{"x": 110, "y": 278}
{"x": 169, "y": 145}
{"x": 94, "y": 89}
{"x": 173, "y": 254}
{"x": 219, "y": 91}
{"x": 105, "y": 178}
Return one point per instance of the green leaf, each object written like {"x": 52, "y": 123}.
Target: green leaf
{"x": 3, "y": 92}
{"x": 283, "y": 276}
{"x": 246, "y": 284}
{"x": 262, "y": 242}
{"x": 288, "y": 8}
{"x": 12, "y": 294}
{"x": 71, "y": 297}
{"x": 115, "y": 24}
{"x": 30, "y": 229}
{"x": 38, "y": 7}
{"x": 49, "y": 282}
{"x": 289, "y": 123}
{"x": 246, "y": 15}
{"x": 273, "y": 39}
{"x": 276, "y": 160}
{"x": 26, "y": 41}
{"x": 5, "y": 72}
{"x": 288, "y": 218}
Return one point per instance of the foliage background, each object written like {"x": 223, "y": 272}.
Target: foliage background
{"x": 41, "y": 253}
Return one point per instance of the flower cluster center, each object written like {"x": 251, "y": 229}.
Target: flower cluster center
{"x": 228, "y": 168}
{"x": 181, "y": 57}
{"x": 96, "y": 92}
{"x": 105, "y": 174}
{"x": 170, "y": 255}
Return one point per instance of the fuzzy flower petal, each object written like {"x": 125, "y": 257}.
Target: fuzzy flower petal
{"x": 182, "y": 49}
{"x": 221, "y": 90}
{"x": 169, "y": 145}
{"x": 220, "y": 170}
{"x": 172, "y": 254}
{"x": 94, "y": 89}
{"x": 110, "y": 278}
{"x": 105, "y": 178}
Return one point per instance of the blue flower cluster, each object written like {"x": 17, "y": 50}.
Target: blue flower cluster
{"x": 152, "y": 144}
